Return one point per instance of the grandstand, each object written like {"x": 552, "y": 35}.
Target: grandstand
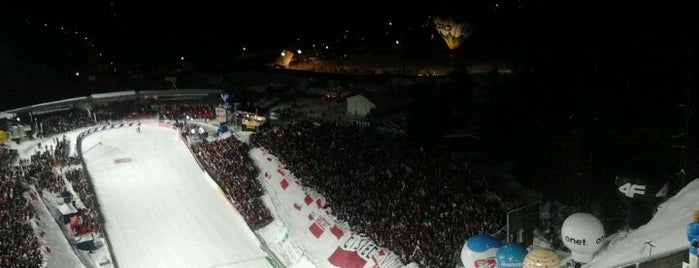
{"x": 323, "y": 186}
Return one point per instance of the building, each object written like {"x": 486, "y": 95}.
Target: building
{"x": 359, "y": 105}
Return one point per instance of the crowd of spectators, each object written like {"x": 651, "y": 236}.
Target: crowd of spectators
{"x": 19, "y": 245}
{"x": 227, "y": 162}
{"x": 41, "y": 171}
{"x": 122, "y": 110}
{"x": 174, "y": 111}
{"x": 421, "y": 203}
{"x": 62, "y": 122}
{"x": 7, "y": 156}
{"x": 89, "y": 215}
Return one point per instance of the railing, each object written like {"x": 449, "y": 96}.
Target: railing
{"x": 78, "y": 148}
{"x": 671, "y": 258}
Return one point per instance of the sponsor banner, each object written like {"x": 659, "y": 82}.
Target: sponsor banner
{"x": 359, "y": 251}
{"x": 220, "y": 114}
{"x": 158, "y": 124}
{"x": 318, "y": 224}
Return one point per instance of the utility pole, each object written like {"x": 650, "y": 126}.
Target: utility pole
{"x": 688, "y": 110}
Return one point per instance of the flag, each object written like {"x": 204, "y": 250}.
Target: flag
{"x": 337, "y": 232}
{"x": 346, "y": 259}
{"x": 316, "y": 230}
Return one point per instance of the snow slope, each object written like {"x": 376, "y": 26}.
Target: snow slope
{"x": 160, "y": 208}
{"x": 667, "y": 230}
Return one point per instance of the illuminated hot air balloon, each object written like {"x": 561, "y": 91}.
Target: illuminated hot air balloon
{"x": 452, "y": 32}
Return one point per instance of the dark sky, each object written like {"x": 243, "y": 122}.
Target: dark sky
{"x": 565, "y": 35}
{"x": 174, "y": 27}
{"x": 186, "y": 26}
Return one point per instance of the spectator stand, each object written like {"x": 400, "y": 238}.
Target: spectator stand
{"x": 414, "y": 201}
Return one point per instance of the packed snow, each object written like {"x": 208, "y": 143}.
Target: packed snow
{"x": 161, "y": 209}
{"x": 667, "y": 230}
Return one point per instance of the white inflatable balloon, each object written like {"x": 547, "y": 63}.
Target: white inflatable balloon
{"x": 583, "y": 234}
{"x": 479, "y": 251}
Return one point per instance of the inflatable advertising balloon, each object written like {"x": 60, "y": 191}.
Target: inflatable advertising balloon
{"x": 641, "y": 193}
{"x": 583, "y": 234}
{"x": 479, "y": 251}
{"x": 510, "y": 256}
{"x": 453, "y": 33}
{"x": 541, "y": 258}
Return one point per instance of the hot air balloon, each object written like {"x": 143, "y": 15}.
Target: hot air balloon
{"x": 452, "y": 32}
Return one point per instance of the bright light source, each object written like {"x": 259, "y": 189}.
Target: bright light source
{"x": 85, "y": 37}
{"x": 397, "y": 42}
{"x": 77, "y": 73}
{"x": 17, "y": 119}
{"x": 314, "y": 45}
{"x": 100, "y": 54}
{"x": 283, "y": 53}
{"x": 298, "y": 51}
{"x": 181, "y": 58}
{"x": 243, "y": 48}
{"x": 111, "y": 63}
{"x": 390, "y": 23}
{"x": 46, "y": 25}
{"x": 327, "y": 47}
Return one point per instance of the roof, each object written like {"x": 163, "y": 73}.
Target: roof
{"x": 360, "y": 97}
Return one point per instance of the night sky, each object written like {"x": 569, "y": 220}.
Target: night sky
{"x": 574, "y": 41}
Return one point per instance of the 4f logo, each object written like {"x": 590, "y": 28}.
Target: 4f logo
{"x": 630, "y": 190}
